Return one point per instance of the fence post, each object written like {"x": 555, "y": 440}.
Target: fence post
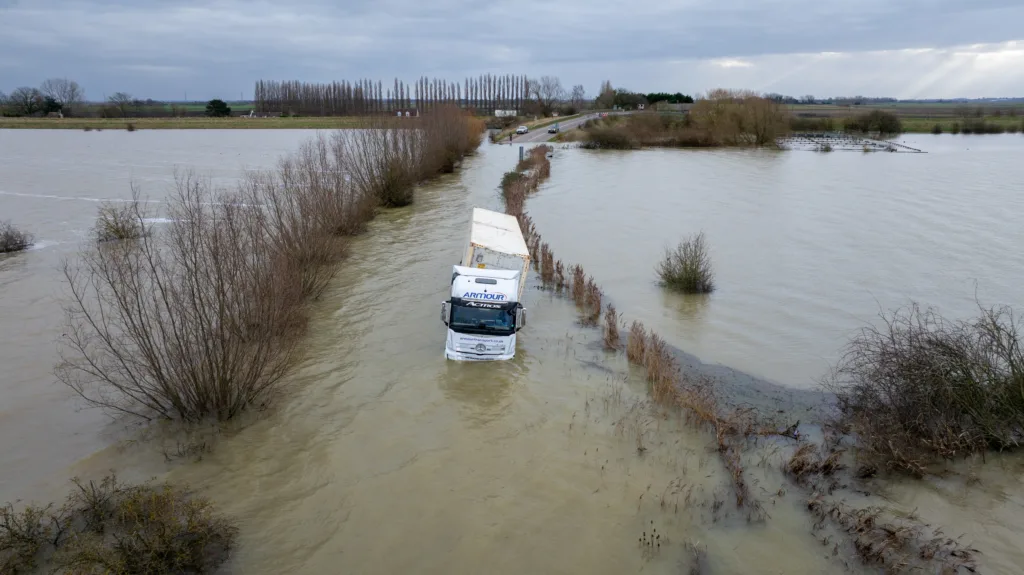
{"x": 520, "y": 153}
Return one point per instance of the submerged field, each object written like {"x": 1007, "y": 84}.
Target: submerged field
{"x": 382, "y": 456}
{"x": 188, "y": 123}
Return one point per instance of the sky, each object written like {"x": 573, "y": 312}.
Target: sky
{"x": 202, "y": 49}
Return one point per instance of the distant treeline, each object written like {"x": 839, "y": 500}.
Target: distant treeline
{"x": 484, "y": 94}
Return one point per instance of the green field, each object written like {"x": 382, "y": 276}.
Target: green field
{"x": 920, "y": 118}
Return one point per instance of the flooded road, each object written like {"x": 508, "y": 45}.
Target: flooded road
{"x": 382, "y": 457}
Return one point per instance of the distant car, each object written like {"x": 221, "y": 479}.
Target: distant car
{"x": 553, "y": 129}
{"x": 522, "y": 130}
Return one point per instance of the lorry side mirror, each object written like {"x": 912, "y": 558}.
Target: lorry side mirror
{"x": 520, "y": 318}
{"x": 445, "y": 312}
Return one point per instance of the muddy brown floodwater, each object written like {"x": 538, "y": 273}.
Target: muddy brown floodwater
{"x": 382, "y": 457}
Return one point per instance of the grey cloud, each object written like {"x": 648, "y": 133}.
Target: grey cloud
{"x": 159, "y": 48}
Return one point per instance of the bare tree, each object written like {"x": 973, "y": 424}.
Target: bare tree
{"x": 578, "y": 97}
{"x": 547, "y": 92}
{"x": 25, "y": 101}
{"x": 122, "y": 102}
{"x": 65, "y": 92}
{"x": 192, "y": 323}
{"x": 606, "y": 97}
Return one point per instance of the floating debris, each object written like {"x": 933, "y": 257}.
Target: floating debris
{"x": 841, "y": 142}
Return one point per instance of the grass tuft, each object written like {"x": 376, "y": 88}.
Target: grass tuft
{"x": 611, "y": 328}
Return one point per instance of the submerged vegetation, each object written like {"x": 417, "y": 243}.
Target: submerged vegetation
{"x": 201, "y": 319}
{"x": 687, "y": 268}
{"x": 12, "y": 239}
{"x": 120, "y": 220}
{"x": 923, "y": 388}
{"x": 114, "y": 527}
{"x": 919, "y": 390}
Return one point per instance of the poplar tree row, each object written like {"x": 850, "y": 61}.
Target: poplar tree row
{"x": 483, "y": 94}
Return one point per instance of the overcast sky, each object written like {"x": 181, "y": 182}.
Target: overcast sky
{"x": 165, "y": 49}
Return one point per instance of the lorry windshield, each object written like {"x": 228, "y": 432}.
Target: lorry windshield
{"x": 468, "y": 318}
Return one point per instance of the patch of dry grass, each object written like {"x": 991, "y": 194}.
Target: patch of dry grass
{"x": 611, "y": 328}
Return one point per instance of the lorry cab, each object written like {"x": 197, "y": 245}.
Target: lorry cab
{"x": 484, "y": 310}
{"x": 483, "y": 314}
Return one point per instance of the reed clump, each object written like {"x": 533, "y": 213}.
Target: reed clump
{"x": 591, "y": 303}
{"x": 636, "y": 344}
{"x": 579, "y": 284}
{"x": 611, "y": 328}
{"x": 687, "y": 268}
{"x": 12, "y": 239}
{"x": 921, "y": 387}
{"x": 114, "y": 527}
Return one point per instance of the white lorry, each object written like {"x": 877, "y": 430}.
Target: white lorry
{"x": 485, "y": 310}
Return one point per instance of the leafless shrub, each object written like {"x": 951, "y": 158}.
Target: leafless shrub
{"x": 112, "y": 527}
{"x": 23, "y": 534}
{"x": 320, "y": 173}
{"x": 307, "y": 206}
{"x": 687, "y": 268}
{"x": 559, "y": 276}
{"x": 449, "y": 134}
{"x": 391, "y": 157}
{"x": 196, "y": 322}
{"x": 121, "y": 220}
{"x": 12, "y": 239}
{"x": 611, "y": 328}
{"x": 387, "y": 161}
{"x": 922, "y": 387}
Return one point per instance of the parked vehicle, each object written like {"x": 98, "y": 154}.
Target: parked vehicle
{"x": 522, "y": 130}
{"x": 485, "y": 311}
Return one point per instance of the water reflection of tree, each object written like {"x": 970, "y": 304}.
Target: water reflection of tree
{"x": 484, "y": 388}
{"x": 686, "y": 307}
